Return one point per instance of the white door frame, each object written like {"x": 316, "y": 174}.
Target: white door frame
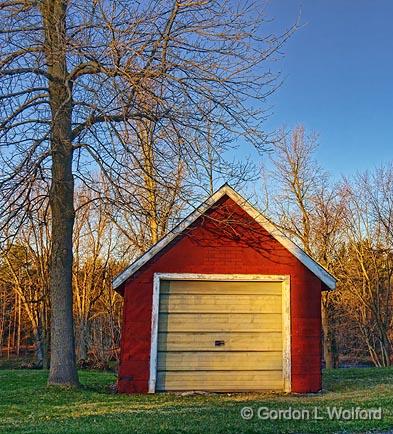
{"x": 286, "y": 314}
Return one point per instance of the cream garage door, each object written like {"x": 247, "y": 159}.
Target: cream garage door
{"x": 221, "y": 336}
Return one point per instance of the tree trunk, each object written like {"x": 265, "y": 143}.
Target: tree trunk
{"x": 327, "y": 341}
{"x": 149, "y": 178}
{"x": 62, "y": 364}
{"x": 19, "y": 326}
{"x": 61, "y": 196}
{"x": 385, "y": 345}
{"x": 39, "y": 348}
{"x": 83, "y": 341}
{"x": 2, "y": 323}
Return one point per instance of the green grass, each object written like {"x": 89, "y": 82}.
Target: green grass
{"x": 27, "y": 405}
{"x": 16, "y": 362}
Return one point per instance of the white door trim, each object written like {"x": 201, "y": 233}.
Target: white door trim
{"x": 286, "y": 314}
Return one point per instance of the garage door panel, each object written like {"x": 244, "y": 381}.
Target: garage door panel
{"x": 205, "y": 361}
{"x": 220, "y": 380}
{"x": 211, "y": 287}
{"x": 222, "y": 303}
{"x": 219, "y": 322}
{"x": 234, "y": 341}
{"x": 220, "y": 336}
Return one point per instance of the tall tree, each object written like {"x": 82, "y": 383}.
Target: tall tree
{"x": 71, "y": 73}
{"x": 61, "y": 193}
{"x": 94, "y": 243}
{"x": 306, "y": 208}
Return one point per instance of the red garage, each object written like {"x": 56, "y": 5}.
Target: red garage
{"x": 224, "y": 302}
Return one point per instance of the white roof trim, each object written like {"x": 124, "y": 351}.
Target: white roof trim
{"x": 299, "y": 253}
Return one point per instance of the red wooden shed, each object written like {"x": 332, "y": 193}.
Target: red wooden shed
{"x": 224, "y": 302}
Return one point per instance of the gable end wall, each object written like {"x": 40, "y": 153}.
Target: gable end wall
{"x": 226, "y": 241}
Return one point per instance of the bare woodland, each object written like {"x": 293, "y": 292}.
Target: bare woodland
{"x": 346, "y": 226}
{"x": 116, "y": 118}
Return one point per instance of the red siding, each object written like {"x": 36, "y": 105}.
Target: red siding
{"x": 224, "y": 242}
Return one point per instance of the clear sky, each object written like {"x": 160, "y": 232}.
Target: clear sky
{"x": 338, "y": 79}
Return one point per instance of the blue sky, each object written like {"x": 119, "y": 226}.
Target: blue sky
{"x": 338, "y": 79}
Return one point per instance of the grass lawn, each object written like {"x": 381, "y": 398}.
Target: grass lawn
{"x": 27, "y": 405}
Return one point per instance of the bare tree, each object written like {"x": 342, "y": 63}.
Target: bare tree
{"x": 93, "y": 247}
{"x": 213, "y": 161}
{"x": 366, "y": 267}
{"x": 70, "y": 75}
{"x": 24, "y": 271}
{"x": 25, "y": 308}
{"x": 303, "y": 204}
{"x": 146, "y": 200}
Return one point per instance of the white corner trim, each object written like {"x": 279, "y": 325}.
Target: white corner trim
{"x": 286, "y": 315}
{"x": 154, "y": 333}
{"x": 302, "y": 256}
{"x": 286, "y": 333}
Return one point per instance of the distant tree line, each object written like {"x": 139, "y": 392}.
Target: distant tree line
{"x": 347, "y": 226}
